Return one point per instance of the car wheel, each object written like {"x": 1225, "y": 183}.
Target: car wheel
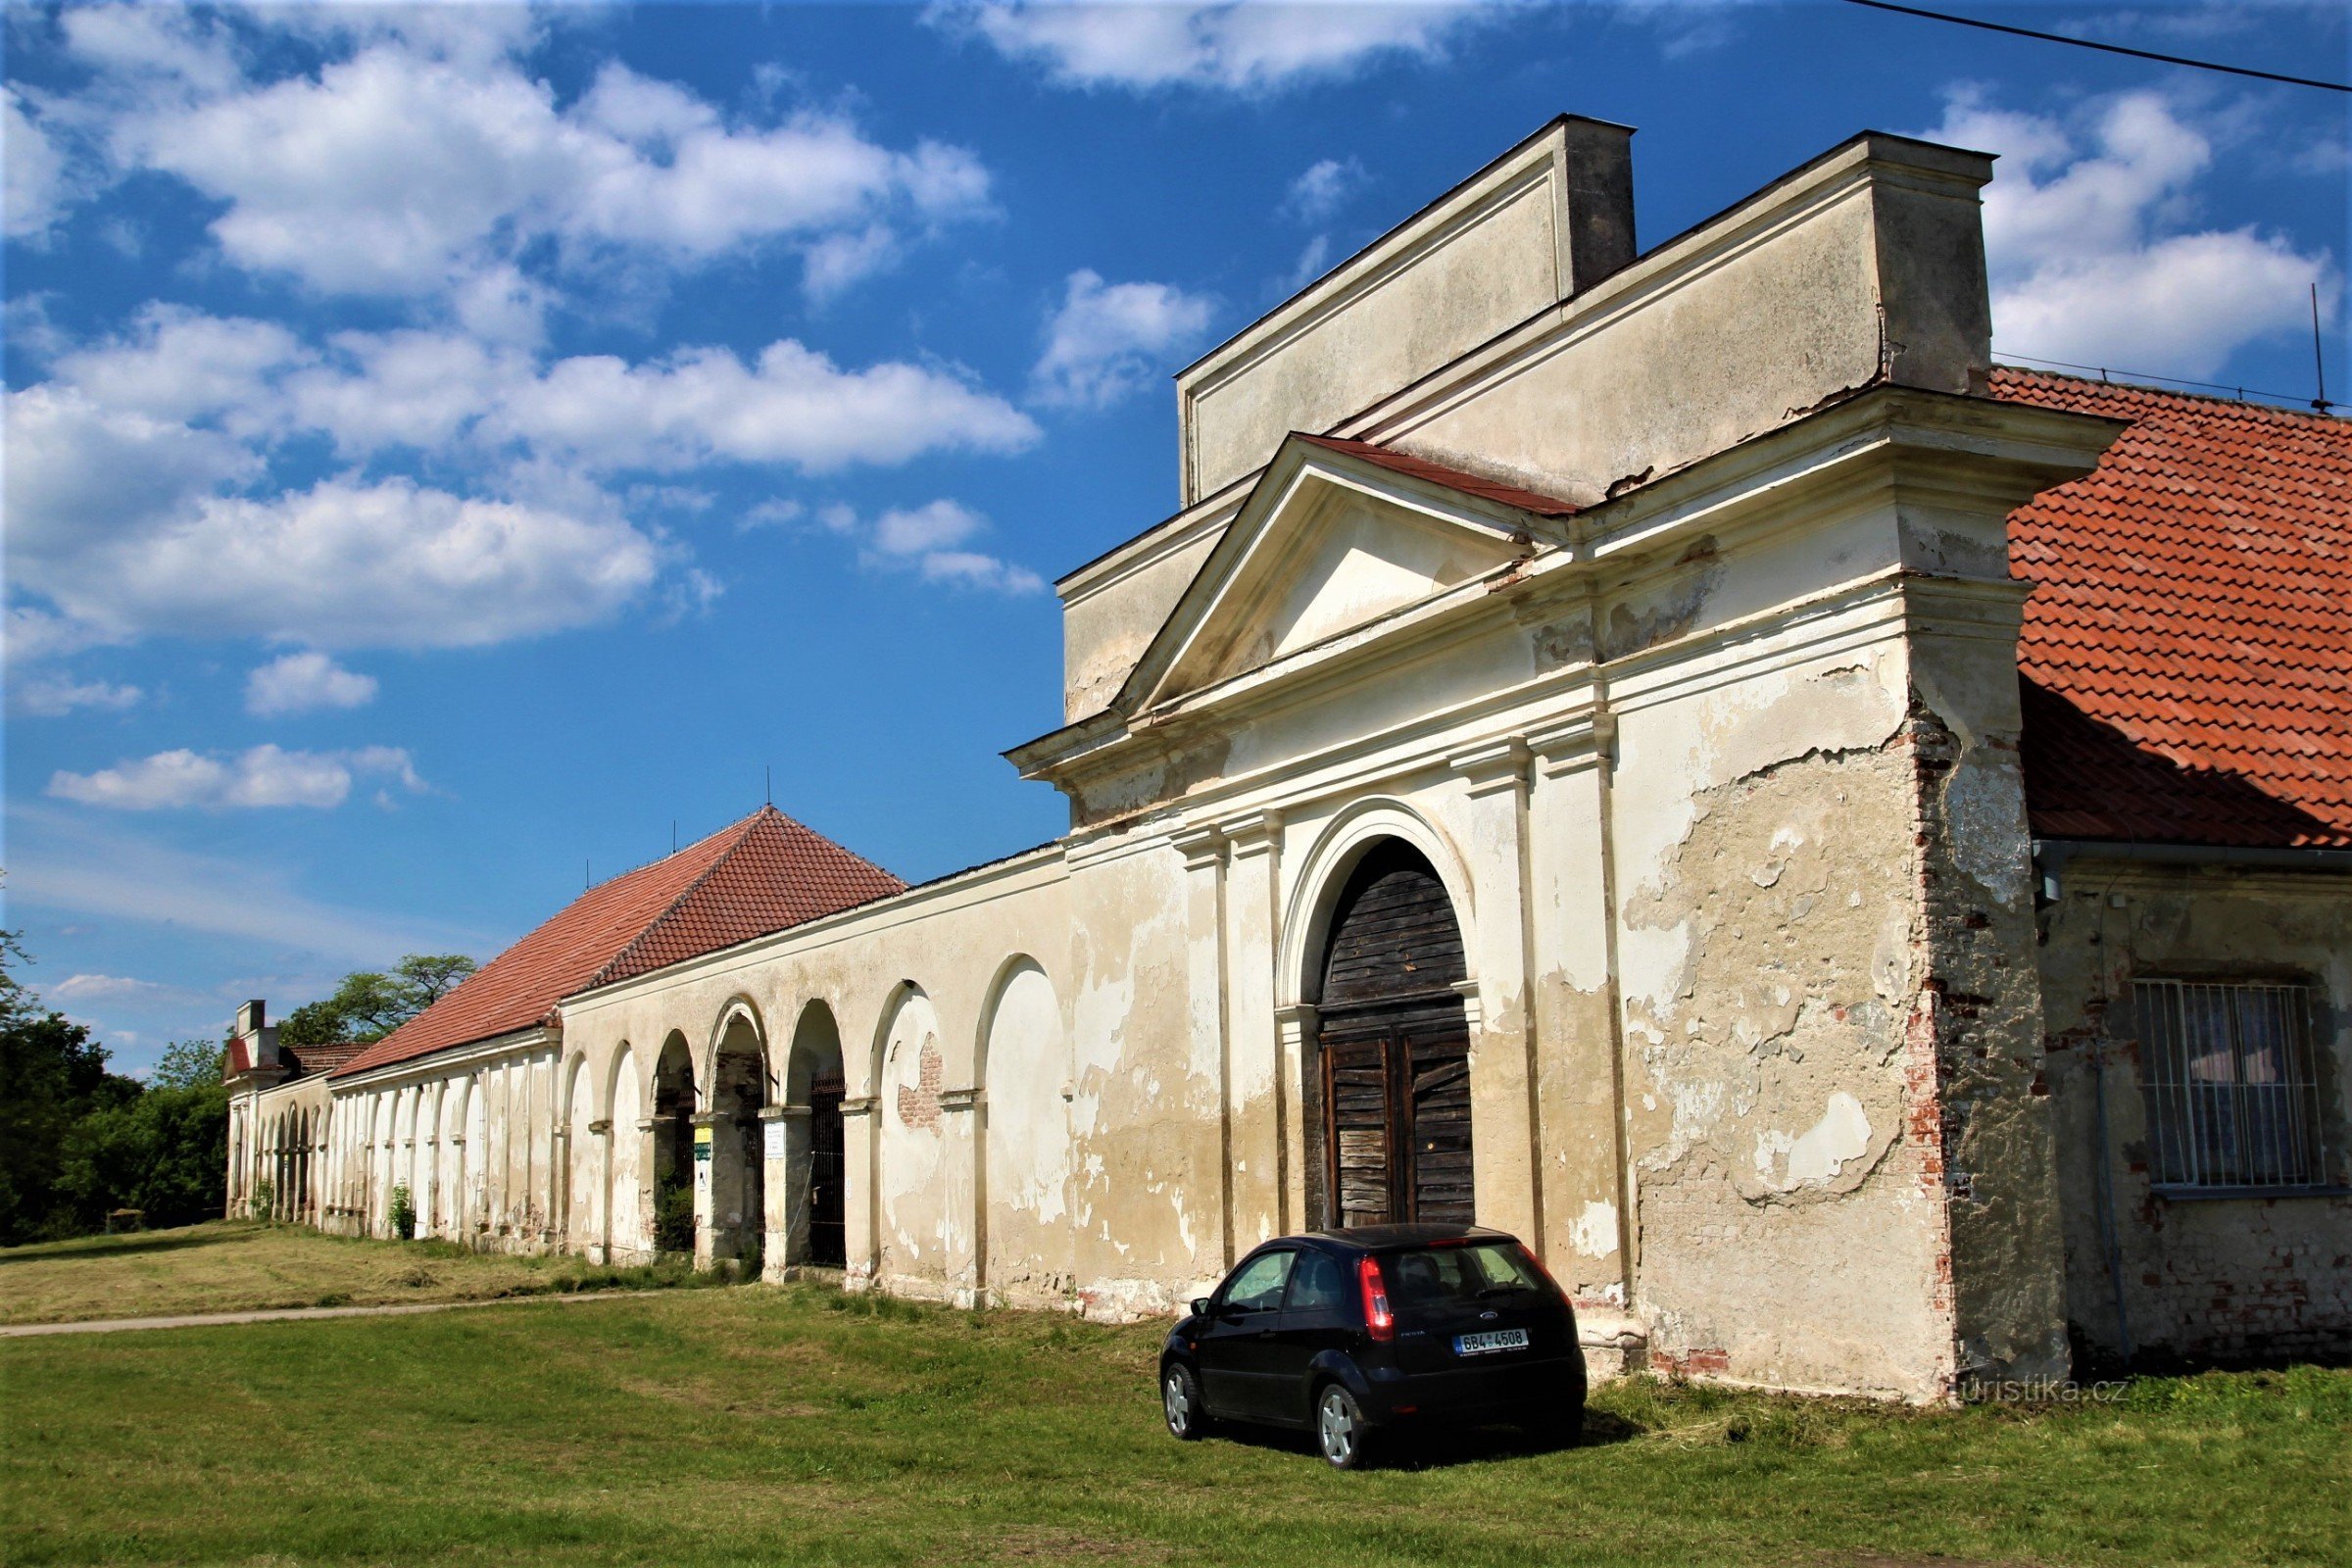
{"x": 1340, "y": 1429}
{"x": 1180, "y": 1403}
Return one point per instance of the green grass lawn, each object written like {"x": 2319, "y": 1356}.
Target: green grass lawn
{"x": 238, "y": 1265}
{"x": 756, "y": 1425}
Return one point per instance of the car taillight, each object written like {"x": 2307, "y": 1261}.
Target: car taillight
{"x": 1541, "y": 1273}
{"x": 1379, "y": 1321}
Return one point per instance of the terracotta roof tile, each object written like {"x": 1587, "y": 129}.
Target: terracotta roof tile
{"x": 765, "y": 873}
{"x": 1469, "y": 484}
{"x": 310, "y": 1060}
{"x": 2187, "y": 645}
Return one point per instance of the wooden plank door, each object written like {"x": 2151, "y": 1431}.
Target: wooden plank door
{"x": 1360, "y": 1132}
{"x": 1437, "y": 1139}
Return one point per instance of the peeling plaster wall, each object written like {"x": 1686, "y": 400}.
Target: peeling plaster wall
{"x": 924, "y": 1162}
{"x": 1763, "y": 845}
{"x": 2235, "y": 1277}
{"x": 1108, "y": 615}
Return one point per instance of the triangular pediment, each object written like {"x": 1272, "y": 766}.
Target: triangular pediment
{"x": 1331, "y": 542}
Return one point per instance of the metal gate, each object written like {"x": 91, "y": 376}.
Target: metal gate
{"x": 828, "y": 1239}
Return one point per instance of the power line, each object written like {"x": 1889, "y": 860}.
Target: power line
{"x": 2109, "y": 48}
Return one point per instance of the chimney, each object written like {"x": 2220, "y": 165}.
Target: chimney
{"x": 258, "y": 1036}
{"x": 1599, "y": 200}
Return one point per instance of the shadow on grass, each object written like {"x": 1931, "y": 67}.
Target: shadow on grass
{"x": 118, "y": 1246}
{"x": 1438, "y": 1447}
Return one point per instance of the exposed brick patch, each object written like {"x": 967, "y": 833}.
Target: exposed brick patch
{"x": 919, "y": 1105}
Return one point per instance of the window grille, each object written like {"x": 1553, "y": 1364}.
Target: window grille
{"x": 2234, "y": 1094}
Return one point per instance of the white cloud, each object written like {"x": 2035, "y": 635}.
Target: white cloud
{"x": 347, "y": 565}
{"x": 795, "y": 405}
{"x": 38, "y": 186}
{"x": 77, "y": 868}
{"x": 99, "y": 987}
{"x": 176, "y": 364}
{"x": 1324, "y": 188}
{"x": 1312, "y": 263}
{"x": 262, "y": 777}
{"x": 405, "y": 388}
{"x": 131, "y": 476}
{"x": 78, "y": 470}
{"x": 770, "y": 514}
{"x": 47, "y": 696}
{"x": 425, "y": 160}
{"x": 1235, "y": 47}
{"x": 36, "y": 635}
{"x": 925, "y": 539}
{"x": 2090, "y": 236}
{"x": 300, "y": 683}
{"x": 1108, "y": 340}
{"x": 969, "y": 568}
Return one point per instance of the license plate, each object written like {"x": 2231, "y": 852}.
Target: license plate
{"x": 1489, "y": 1344}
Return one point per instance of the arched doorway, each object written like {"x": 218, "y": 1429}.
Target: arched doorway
{"x": 675, "y": 1105}
{"x": 815, "y": 1162}
{"x": 1392, "y": 1079}
{"x": 738, "y": 1227}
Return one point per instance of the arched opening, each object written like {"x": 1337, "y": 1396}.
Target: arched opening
{"x": 379, "y": 1167}
{"x": 675, "y": 1103}
{"x": 738, "y": 1208}
{"x": 583, "y": 1220}
{"x": 625, "y": 1174}
{"x": 1021, "y": 1194}
{"x": 1391, "y": 1083}
{"x": 301, "y": 1207}
{"x": 918, "y": 1203}
{"x": 816, "y": 1168}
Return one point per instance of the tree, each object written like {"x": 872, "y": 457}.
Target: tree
{"x": 369, "y": 1004}
{"x": 189, "y": 1064}
{"x": 52, "y": 1076}
{"x": 165, "y": 1153}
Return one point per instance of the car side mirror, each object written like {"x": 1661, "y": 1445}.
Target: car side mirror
{"x": 1200, "y": 1307}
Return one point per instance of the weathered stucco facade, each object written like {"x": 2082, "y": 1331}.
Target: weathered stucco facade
{"x": 1662, "y": 605}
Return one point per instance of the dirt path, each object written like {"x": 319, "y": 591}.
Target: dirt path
{"x": 285, "y": 1314}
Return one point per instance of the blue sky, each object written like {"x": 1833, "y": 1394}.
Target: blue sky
{"x": 447, "y": 447}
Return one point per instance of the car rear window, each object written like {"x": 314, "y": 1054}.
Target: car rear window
{"x": 1458, "y": 1276}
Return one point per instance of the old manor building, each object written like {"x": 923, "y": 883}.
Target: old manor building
{"x": 1845, "y": 848}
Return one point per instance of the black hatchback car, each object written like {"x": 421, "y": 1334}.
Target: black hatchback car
{"x": 1351, "y": 1334}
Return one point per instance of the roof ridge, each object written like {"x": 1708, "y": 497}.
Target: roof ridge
{"x": 743, "y": 831}
{"x": 2237, "y": 405}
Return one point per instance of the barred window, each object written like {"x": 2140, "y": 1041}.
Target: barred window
{"x": 2233, "y": 1095}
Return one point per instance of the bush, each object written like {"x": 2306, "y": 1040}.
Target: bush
{"x": 673, "y": 1217}
{"x": 404, "y": 1214}
{"x": 263, "y": 1204}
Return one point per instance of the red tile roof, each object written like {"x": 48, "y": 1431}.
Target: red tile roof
{"x": 765, "y": 873}
{"x": 1470, "y": 485}
{"x": 310, "y": 1060}
{"x": 2188, "y": 646}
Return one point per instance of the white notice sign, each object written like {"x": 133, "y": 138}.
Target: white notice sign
{"x": 776, "y": 1140}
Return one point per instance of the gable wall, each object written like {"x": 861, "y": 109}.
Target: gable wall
{"x": 1865, "y": 266}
